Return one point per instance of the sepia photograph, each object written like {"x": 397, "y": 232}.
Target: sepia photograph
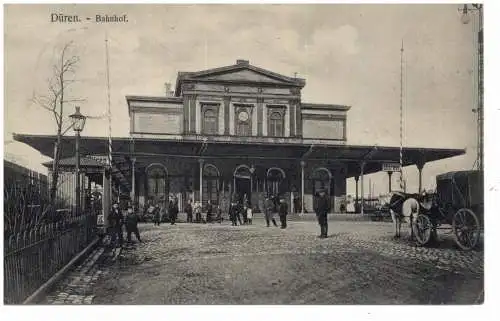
{"x": 243, "y": 154}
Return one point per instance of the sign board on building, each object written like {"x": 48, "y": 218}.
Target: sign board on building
{"x": 391, "y": 167}
{"x": 100, "y": 220}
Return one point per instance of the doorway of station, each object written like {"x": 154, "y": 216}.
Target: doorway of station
{"x": 242, "y": 184}
{"x": 242, "y": 188}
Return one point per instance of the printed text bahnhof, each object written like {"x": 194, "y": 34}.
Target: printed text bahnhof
{"x": 99, "y": 18}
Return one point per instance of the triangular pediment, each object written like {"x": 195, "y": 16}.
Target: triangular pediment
{"x": 243, "y": 75}
{"x": 242, "y": 72}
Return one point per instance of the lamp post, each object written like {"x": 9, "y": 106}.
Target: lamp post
{"x": 78, "y": 124}
{"x": 252, "y": 171}
{"x": 466, "y": 17}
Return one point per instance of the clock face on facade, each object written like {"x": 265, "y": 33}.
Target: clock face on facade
{"x": 243, "y": 116}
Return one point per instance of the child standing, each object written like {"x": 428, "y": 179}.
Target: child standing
{"x": 249, "y": 214}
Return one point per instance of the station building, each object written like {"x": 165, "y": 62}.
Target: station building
{"x": 236, "y": 130}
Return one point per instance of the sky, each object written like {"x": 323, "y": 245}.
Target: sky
{"x": 349, "y": 54}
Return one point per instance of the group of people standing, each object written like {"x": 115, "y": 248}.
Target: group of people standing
{"x": 118, "y": 219}
{"x": 198, "y": 212}
{"x": 274, "y": 205}
{"x": 158, "y": 213}
{"x": 239, "y": 212}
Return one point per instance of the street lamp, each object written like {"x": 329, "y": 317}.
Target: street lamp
{"x": 466, "y": 17}
{"x": 252, "y": 171}
{"x": 78, "y": 124}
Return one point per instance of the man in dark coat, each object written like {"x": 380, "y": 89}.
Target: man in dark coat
{"x": 322, "y": 208}
{"x": 131, "y": 220}
{"x": 157, "y": 214}
{"x": 233, "y": 209}
{"x": 209, "y": 211}
{"x": 173, "y": 209}
{"x": 115, "y": 219}
{"x": 219, "y": 217}
{"x": 189, "y": 212}
{"x": 269, "y": 211}
{"x": 283, "y": 211}
{"x": 238, "y": 209}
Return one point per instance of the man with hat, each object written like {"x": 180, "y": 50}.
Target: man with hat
{"x": 322, "y": 207}
{"x": 269, "y": 207}
{"x": 131, "y": 220}
{"x": 115, "y": 219}
{"x": 283, "y": 211}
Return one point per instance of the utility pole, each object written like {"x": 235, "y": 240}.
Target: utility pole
{"x": 401, "y": 179}
{"x": 466, "y": 15}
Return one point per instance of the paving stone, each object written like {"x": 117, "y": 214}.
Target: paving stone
{"x": 203, "y": 264}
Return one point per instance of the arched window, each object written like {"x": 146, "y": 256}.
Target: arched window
{"x": 210, "y": 121}
{"x": 276, "y": 124}
{"x": 211, "y": 184}
{"x": 275, "y": 177}
{"x": 157, "y": 187}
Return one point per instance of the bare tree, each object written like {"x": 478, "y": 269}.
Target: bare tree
{"x": 55, "y": 101}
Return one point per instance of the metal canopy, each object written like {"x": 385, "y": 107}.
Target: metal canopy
{"x": 352, "y": 155}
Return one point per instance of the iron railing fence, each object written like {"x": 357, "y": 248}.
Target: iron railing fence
{"x": 27, "y": 199}
{"x": 33, "y": 256}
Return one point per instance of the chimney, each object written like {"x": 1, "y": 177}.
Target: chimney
{"x": 168, "y": 89}
{"x": 242, "y": 62}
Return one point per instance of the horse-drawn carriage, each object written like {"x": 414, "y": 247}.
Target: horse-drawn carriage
{"x": 458, "y": 201}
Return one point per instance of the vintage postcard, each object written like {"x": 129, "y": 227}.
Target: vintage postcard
{"x": 243, "y": 154}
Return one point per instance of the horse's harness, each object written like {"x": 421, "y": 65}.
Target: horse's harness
{"x": 393, "y": 205}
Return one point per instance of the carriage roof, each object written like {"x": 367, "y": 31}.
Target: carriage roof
{"x": 461, "y": 188}
{"x": 456, "y": 175}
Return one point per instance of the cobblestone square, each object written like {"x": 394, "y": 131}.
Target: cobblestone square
{"x": 359, "y": 263}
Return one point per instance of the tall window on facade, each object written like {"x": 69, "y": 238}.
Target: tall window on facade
{"x": 157, "y": 187}
{"x": 243, "y": 127}
{"x": 210, "y": 118}
{"x": 211, "y": 184}
{"x": 276, "y": 122}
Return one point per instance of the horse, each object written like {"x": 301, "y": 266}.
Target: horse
{"x": 403, "y": 206}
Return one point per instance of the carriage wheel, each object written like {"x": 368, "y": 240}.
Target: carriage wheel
{"x": 466, "y": 228}
{"x": 422, "y": 229}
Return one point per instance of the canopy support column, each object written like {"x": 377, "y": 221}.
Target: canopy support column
{"x": 201, "y": 161}
{"x": 133, "y": 182}
{"x": 302, "y": 165}
{"x": 106, "y": 197}
{"x": 420, "y": 166}
{"x": 356, "y": 178}
{"x": 390, "y": 180}
{"x": 362, "y": 165}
